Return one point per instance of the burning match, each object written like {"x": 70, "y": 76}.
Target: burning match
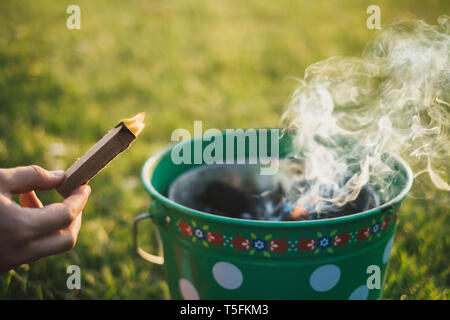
{"x": 103, "y": 152}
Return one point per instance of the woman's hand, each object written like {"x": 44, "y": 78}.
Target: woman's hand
{"x": 33, "y": 231}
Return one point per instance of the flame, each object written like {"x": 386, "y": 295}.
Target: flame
{"x": 135, "y": 124}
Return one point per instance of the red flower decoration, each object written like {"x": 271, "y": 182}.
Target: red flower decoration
{"x": 396, "y": 213}
{"x": 185, "y": 228}
{"x": 340, "y": 240}
{"x": 385, "y": 223}
{"x": 363, "y": 234}
{"x": 278, "y": 245}
{"x": 306, "y": 245}
{"x": 215, "y": 238}
{"x": 240, "y": 243}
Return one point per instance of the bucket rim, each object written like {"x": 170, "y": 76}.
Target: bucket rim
{"x": 151, "y": 162}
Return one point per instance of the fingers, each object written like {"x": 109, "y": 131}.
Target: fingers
{"x": 57, "y": 216}
{"x": 55, "y": 243}
{"x": 25, "y": 179}
{"x": 30, "y": 200}
{"x": 32, "y": 231}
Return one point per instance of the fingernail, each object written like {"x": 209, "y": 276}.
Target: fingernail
{"x": 88, "y": 189}
{"x": 58, "y": 173}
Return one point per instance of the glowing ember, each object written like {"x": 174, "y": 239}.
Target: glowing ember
{"x": 299, "y": 212}
{"x": 135, "y": 124}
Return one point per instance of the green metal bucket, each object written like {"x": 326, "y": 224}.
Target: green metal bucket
{"x": 214, "y": 257}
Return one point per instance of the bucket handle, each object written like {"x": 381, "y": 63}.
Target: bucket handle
{"x": 144, "y": 254}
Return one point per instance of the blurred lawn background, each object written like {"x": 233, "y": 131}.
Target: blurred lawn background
{"x": 229, "y": 63}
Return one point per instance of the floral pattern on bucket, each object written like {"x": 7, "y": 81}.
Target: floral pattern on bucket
{"x": 257, "y": 244}
{"x": 201, "y": 234}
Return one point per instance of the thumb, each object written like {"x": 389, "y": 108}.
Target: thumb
{"x": 25, "y": 179}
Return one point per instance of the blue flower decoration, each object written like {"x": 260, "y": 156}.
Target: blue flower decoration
{"x": 375, "y": 228}
{"x": 259, "y": 244}
{"x": 199, "y": 233}
{"x": 324, "y": 242}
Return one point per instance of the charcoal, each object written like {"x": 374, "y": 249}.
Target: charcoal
{"x": 238, "y": 191}
{"x": 223, "y": 199}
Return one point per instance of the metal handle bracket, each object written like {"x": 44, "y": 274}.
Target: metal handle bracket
{"x": 144, "y": 254}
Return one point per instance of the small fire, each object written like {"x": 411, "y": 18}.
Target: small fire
{"x": 135, "y": 124}
{"x": 299, "y": 212}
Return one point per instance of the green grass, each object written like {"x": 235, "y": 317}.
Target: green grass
{"x": 229, "y": 63}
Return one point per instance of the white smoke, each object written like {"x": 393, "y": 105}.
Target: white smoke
{"x": 394, "y": 99}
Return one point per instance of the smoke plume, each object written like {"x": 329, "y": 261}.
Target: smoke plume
{"x": 347, "y": 112}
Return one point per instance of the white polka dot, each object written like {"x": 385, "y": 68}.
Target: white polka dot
{"x": 227, "y": 275}
{"x": 360, "y": 293}
{"x": 325, "y": 277}
{"x": 387, "y": 250}
{"x": 188, "y": 290}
